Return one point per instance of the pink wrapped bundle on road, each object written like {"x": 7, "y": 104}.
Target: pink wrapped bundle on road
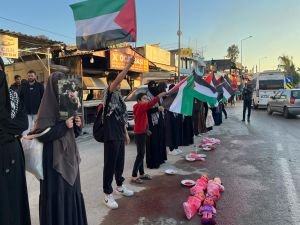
{"x": 214, "y": 188}
{"x": 212, "y": 141}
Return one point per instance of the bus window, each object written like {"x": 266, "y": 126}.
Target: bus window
{"x": 271, "y": 84}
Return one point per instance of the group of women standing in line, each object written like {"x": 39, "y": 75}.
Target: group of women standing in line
{"x": 61, "y": 201}
{"x": 167, "y": 129}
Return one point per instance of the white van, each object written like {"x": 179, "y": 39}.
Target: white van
{"x": 266, "y": 84}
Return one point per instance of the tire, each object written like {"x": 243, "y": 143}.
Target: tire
{"x": 269, "y": 110}
{"x": 286, "y": 113}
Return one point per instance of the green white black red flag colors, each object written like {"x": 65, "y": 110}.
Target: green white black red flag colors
{"x": 226, "y": 88}
{"x": 180, "y": 99}
{"x": 101, "y": 23}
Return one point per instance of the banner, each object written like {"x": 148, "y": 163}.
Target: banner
{"x": 8, "y": 47}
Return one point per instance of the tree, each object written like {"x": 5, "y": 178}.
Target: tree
{"x": 287, "y": 65}
{"x": 233, "y": 52}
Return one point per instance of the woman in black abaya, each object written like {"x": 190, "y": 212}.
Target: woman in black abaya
{"x": 14, "y": 206}
{"x": 61, "y": 200}
{"x": 155, "y": 147}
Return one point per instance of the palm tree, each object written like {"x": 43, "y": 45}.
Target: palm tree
{"x": 289, "y": 68}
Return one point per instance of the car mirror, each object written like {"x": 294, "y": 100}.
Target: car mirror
{"x": 272, "y": 97}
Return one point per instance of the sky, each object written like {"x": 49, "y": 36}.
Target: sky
{"x": 210, "y": 26}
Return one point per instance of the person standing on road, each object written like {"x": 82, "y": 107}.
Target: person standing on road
{"x": 247, "y": 97}
{"x": 17, "y": 85}
{"x": 61, "y": 200}
{"x": 14, "y": 205}
{"x": 31, "y": 94}
{"x": 140, "y": 132}
{"x": 115, "y": 136}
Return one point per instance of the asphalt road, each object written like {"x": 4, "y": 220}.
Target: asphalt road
{"x": 257, "y": 162}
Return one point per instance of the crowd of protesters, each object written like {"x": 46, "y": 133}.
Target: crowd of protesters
{"x": 27, "y": 110}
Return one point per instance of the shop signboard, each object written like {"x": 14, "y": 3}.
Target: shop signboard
{"x": 186, "y": 52}
{"x": 120, "y": 57}
{"x": 8, "y": 46}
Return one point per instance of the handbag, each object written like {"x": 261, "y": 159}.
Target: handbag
{"x": 209, "y": 119}
{"x": 33, "y": 153}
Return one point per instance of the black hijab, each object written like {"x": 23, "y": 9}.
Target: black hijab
{"x": 65, "y": 152}
{"x": 4, "y": 94}
{"x": 153, "y": 89}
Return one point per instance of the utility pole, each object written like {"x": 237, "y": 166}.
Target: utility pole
{"x": 179, "y": 34}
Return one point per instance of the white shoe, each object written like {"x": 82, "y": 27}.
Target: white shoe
{"x": 178, "y": 150}
{"x": 123, "y": 190}
{"x": 110, "y": 202}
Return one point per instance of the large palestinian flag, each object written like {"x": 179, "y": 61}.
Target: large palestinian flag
{"x": 180, "y": 99}
{"x": 101, "y": 23}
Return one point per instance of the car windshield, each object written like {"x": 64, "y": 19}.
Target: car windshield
{"x": 132, "y": 96}
{"x": 296, "y": 94}
{"x": 271, "y": 84}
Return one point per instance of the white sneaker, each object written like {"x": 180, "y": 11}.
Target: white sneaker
{"x": 178, "y": 151}
{"x": 110, "y": 202}
{"x": 123, "y": 190}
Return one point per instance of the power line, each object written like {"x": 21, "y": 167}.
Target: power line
{"x": 34, "y": 27}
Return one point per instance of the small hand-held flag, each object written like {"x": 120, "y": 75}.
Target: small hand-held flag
{"x": 101, "y": 23}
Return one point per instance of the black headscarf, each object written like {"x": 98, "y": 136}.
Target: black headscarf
{"x": 153, "y": 89}
{"x": 4, "y": 94}
{"x": 65, "y": 152}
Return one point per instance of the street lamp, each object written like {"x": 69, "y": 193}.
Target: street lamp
{"x": 242, "y": 49}
{"x": 259, "y": 62}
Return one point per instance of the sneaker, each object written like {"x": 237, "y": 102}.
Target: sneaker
{"x": 178, "y": 150}
{"x": 110, "y": 202}
{"x": 123, "y": 190}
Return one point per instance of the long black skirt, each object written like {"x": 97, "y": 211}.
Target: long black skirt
{"x": 14, "y": 206}
{"x": 187, "y": 131}
{"x": 60, "y": 203}
{"x": 156, "y": 152}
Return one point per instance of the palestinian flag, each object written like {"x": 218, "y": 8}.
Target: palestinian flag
{"x": 226, "y": 88}
{"x": 180, "y": 99}
{"x": 211, "y": 79}
{"x": 101, "y": 23}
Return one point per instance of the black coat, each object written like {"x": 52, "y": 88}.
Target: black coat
{"x": 14, "y": 206}
{"x": 31, "y": 95}
{"x": 247, "y": 93}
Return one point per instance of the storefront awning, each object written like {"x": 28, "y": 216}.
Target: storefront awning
{"x": 100, "y": 83}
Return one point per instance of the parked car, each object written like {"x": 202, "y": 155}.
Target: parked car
{"x": 286, "y": 101}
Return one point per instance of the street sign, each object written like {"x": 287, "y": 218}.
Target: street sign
{"x": 8, "y": 46}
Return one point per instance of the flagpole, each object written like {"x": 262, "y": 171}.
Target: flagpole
{"x": 179, "y": 34}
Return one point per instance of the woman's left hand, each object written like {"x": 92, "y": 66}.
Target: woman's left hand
{"x": 78, "y": 121}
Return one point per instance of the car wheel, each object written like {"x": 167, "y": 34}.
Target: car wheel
{"x": 286, "y": 113}
{"x": 269, "y": 110}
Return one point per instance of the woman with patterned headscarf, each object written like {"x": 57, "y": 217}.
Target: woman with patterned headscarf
{"x": 14, "y": 206}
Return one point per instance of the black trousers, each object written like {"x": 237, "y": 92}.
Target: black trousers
{"x": 247, "y": 105}
{"x": 140, "y": 140}
{"x": 224, "y": 110}
{"x": 114, "y": 156}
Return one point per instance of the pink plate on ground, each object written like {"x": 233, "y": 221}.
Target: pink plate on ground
{"x": 188, "y": 183}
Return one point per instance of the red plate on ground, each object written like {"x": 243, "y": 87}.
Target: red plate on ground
{"x": 188, "y": 183}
